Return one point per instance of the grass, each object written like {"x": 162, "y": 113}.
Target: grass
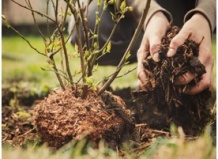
{"x": 21, "y": 62}
{"x": 173, "y": 148}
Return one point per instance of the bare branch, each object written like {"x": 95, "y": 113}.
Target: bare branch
{"x": 34, "y": 19}
{"x": 23, "y": 37}
{"x": 35, "y": 11}
{"x": 123, "y": 60}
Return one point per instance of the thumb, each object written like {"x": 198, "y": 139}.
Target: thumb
{"x": 178, "y": 40}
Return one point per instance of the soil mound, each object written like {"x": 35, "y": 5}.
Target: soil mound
{"x": 63, "y": 117}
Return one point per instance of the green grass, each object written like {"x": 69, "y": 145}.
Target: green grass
{"x": 174, "y": 148}
{"x": 22, "y": 62}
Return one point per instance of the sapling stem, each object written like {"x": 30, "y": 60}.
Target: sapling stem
{"x": 129, "y": 48}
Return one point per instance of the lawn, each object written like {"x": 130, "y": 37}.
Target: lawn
{"x": 20, "y": 62}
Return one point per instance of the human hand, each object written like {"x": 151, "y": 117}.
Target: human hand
{"x": 155, "y": 30}
{"x": 198, "y": 27}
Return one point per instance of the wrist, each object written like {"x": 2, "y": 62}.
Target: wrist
{"x": 201, "y": 20}
{"x": 199, "y": 17}
{"x": 159, "y": 15}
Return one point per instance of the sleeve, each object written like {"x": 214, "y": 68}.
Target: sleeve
{"x": 208, "y": 9}
{"x": 139, "y": 5}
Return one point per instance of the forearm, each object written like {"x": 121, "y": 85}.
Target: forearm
{"x": 208, "y": 9}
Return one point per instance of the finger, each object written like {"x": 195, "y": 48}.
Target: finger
{"x": 141, "y": 86}
{"x": 143, "y": 79}
{"x": 143, "y": 50}
{"x": 178, "y": 40}
{"x": 155, "y": 43}
{"x": 145, "y": 86}
{"x": 206, "y": 56}
{"x": 141, "y": 76}
{"x": 185, "y": 78}
{"x": 205, "y": 83}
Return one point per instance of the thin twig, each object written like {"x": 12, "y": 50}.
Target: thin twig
{"x": 27, "y": 132}
{"x": 123, "y": 60}
{"x": 80, "y": 49}
{"x": 25, "y": 39}
{"x": 84, "y": 23}
{"x": 47, "y": 23}
{"x": 94, "y": 58}
{"x": 35, "y": 11}
{"x": 60, "y": 31}
{"x": 34, "y": 19}
{"x": 127, "y": 72}
{"x": 57, "y": 73}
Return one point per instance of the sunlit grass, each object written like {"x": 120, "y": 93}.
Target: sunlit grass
{"x": 21, "y": 61}
{"x": 174, "y": 148}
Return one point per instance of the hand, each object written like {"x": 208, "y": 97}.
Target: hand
{"x": 199, "y": 28}
{"x": 155, "y": 30}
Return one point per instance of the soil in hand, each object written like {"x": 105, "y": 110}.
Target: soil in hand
{"x": 166, "y": 102}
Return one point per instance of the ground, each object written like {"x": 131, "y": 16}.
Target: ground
{"x": 19, "y": 127}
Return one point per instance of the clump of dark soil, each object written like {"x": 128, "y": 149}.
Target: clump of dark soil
{"x": 63, "y": 117}
{"x": 167, "y": 102}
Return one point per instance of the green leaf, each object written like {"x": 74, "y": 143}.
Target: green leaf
{"x": 87, "y": 54}
{"x": 128, "y": 55}
{"x": 95, "y": 45}
{"x": 89, "y": 81}
{"x": 99, "y": 2}
{"x": 108, "y": 48}
{"x": 95, "y": 36}
{"x": 123, "y": 6}
{"x": 130, "y": 9}
{"x": 98, "y": 21}
{"x": 105, "y": 5}
{"x": 95, "y": 67}
{"x": 23, "y": 115}
{"x": 111, "y": 2}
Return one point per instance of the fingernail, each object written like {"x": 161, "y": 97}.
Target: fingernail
{"x": 156, "y": 57}
{"x": 171, "y": 52}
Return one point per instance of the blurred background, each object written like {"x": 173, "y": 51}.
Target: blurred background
{"x": 22, "y": 65}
